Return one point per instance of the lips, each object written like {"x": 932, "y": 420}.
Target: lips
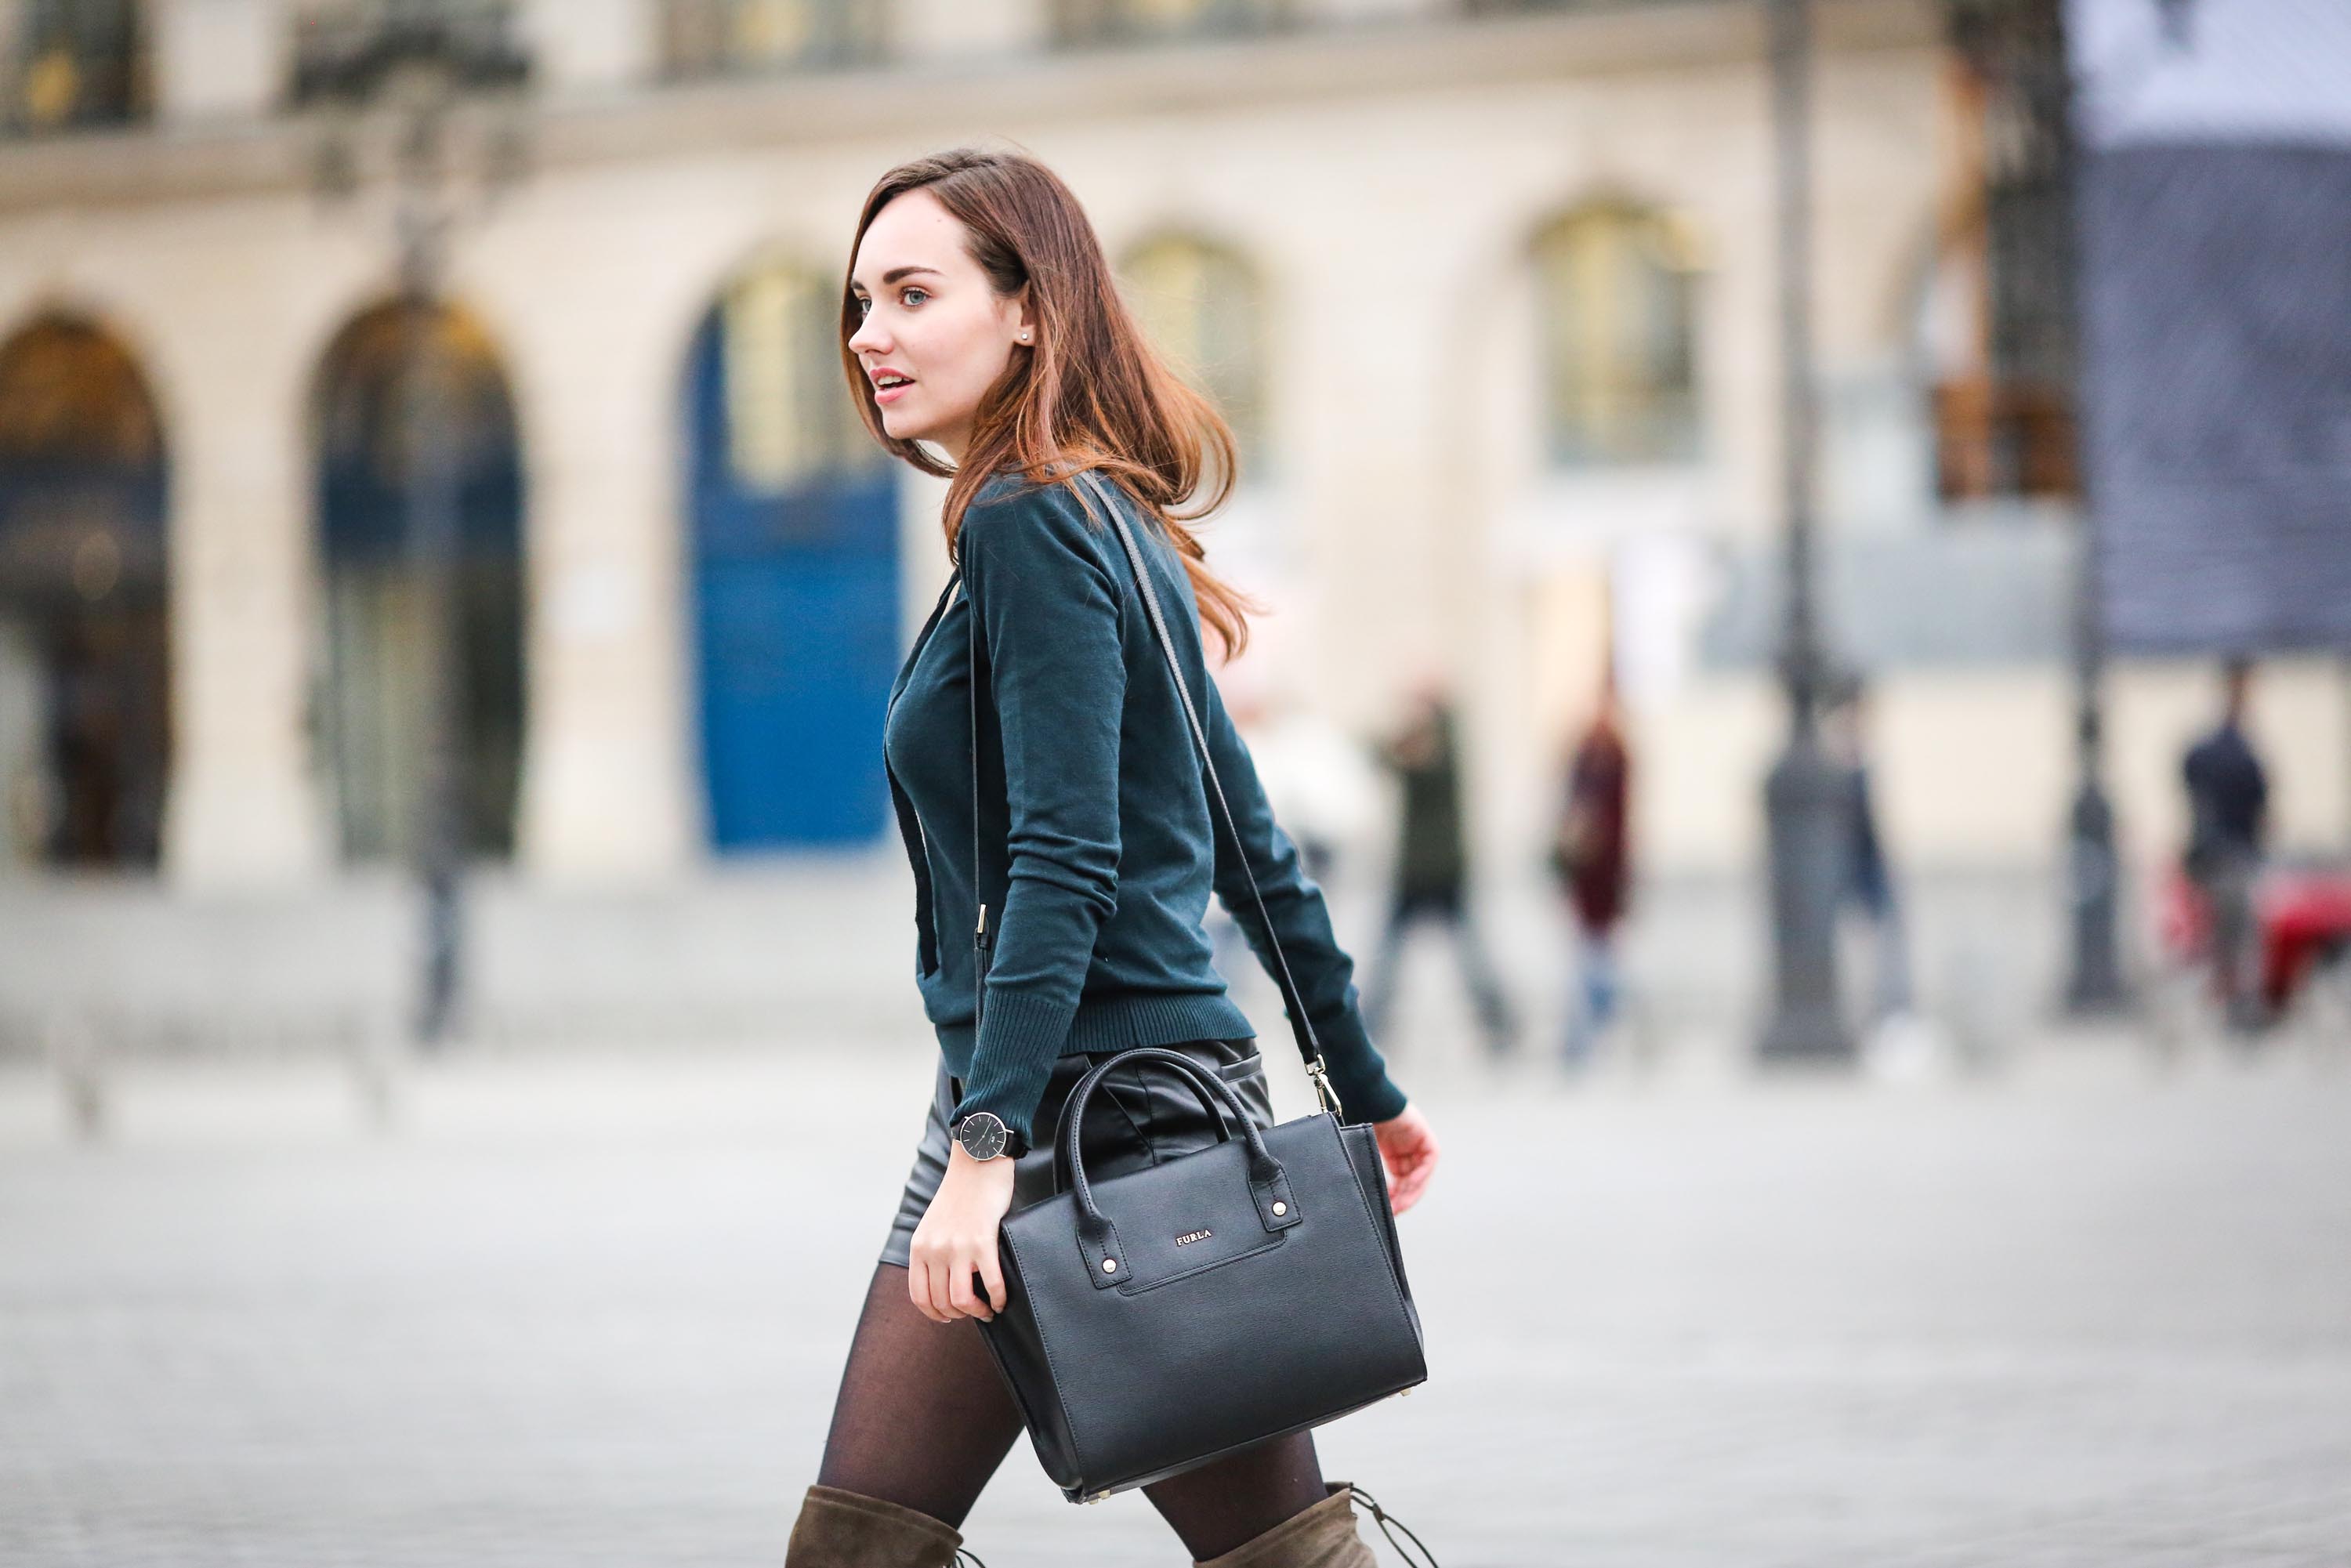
{"x": 889, "y": 385}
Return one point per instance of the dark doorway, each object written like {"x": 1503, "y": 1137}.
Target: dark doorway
{"x": 382, "y": 654}
{"x": 85, "y": 690}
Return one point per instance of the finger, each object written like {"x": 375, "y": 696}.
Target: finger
{"x": 991, "y": 1274}
{"x": 1408, "y": 1188}
{"x": 1399, "y": 1192}
{"x": 918, "y": 1285}
{"x": 959, "y": 1295}
{"x": 935, "y": 1285}
{"x": 1424, "y": 1162}
{"x": 944, "y": 1291}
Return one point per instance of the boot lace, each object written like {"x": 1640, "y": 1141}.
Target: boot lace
{"x": 1381, "y": 1518}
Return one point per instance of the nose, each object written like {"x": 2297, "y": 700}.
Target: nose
{"x": 869, "y": 338}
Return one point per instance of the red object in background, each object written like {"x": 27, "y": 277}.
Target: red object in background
{"x": 2305, "y": 915}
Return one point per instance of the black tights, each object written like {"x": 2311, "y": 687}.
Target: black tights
{"x": 924, "y": 1419}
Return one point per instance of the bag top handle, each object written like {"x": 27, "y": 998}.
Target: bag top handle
{"x": 1105, "y": 1257}
{"x": 1293, "y": 1003}
{"x": 1213, "y": 1093}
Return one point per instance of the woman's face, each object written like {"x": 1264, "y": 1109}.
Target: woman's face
{"x": 936, "y": 335}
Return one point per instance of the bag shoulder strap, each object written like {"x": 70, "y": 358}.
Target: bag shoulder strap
{"x": 1302, "y": 1027}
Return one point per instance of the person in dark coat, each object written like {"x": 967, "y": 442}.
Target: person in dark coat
{"x": 1432, "y": 868}
{"x": 1591, "y": 857}
{"x": 2228, "y": 804}
{"x": 1868, "y": 881}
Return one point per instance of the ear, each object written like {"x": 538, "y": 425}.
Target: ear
{"x": 1024, "y": 319}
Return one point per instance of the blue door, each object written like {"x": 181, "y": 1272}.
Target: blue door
{"x": 796, "y": 589}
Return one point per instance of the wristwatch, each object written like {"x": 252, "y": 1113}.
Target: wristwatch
{"x": 984, "y": 1137}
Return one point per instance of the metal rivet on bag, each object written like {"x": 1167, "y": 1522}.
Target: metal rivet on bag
{"x": 1281, "y": 1208}
{"x": 1109, "y": 1265}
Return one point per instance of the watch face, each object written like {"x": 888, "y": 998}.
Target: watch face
{"x": 982, "y": 1135}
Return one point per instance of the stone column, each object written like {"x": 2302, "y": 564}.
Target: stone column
{"x": 591, "y": 46}
{"x": 243, "y": 808}
{"x": 954, "y": 30}
{"x": 219, "y": 60}
{"x": 606, "y": 791}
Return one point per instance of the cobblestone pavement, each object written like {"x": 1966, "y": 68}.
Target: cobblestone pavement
{"x": 591, "y": 1311}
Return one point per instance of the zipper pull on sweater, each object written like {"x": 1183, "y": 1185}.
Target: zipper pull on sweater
{"x": 979, "y": 968}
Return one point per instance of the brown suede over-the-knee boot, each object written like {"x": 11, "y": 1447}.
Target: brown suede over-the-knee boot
{"x": 1322, "y": 1536}
{"x": 839, "y": 1529}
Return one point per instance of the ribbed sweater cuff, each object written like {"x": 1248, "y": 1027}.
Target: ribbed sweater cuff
{"x": 1367, "y": 1100}
{"x": 1357, "y": 1072}
{"x": 1020, "y": 1037}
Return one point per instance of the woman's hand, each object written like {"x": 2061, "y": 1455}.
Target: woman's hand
{"x": 1409, "y": 1149}
{"x": 957, "y": 1239}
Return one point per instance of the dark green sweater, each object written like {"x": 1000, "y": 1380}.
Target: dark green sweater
{"x": 1092, "y": 797}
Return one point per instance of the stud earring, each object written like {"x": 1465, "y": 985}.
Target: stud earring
{"x": 1024, "y": 334}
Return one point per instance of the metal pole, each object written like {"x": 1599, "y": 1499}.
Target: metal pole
{"x": 2094, "y": 980}
{"x": 1807, "y": 799}
{"x": 431, "y": 548}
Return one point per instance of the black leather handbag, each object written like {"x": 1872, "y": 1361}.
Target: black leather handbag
{"x": 1162, "y": 1319}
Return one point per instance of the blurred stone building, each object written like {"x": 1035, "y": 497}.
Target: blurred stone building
{"x": 1485, "y": 285}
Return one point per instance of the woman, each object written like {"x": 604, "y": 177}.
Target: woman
{"x": 984, "y": 340}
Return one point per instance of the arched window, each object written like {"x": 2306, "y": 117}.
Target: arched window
{"x": 1078, "y": 23}
{"x": 68, "y": 63}
{"x": 728, "y": 37}
{"x": 1615, "y": 297}
{"x": 1202, "y": 307}
{"x": 84, "y": 694}
{"x": 789, "y": 414}
{"x": 397, "y": 409}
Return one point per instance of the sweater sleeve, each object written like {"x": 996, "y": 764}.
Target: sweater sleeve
{"x": 1320, "y": 969}
{"x": 1049, "y": 609}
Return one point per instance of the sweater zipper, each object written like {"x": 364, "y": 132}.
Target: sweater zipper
{"x": 921, "y": 831}
{"x": 980, "y": 969}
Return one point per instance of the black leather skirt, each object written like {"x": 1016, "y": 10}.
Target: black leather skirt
{"x": 1138, "y": 1117}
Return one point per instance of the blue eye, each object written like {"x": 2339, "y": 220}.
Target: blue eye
{"x": 909, "y": 296}
{"x": 865, "y": 306}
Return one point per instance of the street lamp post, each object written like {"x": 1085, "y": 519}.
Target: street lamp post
{"x": 2094, "y": 977}
{"x": 417, "y": 66}
{"x": 1807, "y": 801}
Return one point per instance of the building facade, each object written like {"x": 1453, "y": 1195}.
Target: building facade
{"x": 1487, "y": 288}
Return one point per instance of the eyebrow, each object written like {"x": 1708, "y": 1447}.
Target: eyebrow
{"x": 896, "y": 272}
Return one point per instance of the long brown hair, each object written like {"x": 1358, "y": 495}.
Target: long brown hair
{"x": 1090, "y": 394}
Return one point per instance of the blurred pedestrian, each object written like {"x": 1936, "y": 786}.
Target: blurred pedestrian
{"x": 1432, "y": 866}
{"x": 1869, "y": 883}
{"x": 1592, "y": 856}
{"x": 1035, "y": 738}
{"x": 2228, "y": 810}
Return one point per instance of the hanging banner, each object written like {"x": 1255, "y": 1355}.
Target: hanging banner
{"x": 2215, "y": 140}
